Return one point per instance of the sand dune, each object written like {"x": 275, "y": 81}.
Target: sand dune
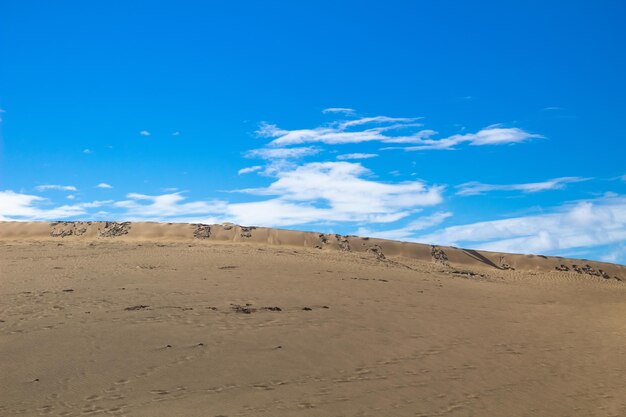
{"x": 149, "y": 319}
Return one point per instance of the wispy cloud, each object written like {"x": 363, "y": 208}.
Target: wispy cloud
{"x": 144, "y": 133}
{"x": 337, "y": 191}
{"x": 406, "y": 232}
{"x": 581, "y": 224}
{"x": 343, "y": 132}
{"x": 19, "y": 206}
{"x": 492, "y": 135}
{"x": 350, "y": 156}
{"x": 248, "y": 170}
{"x": 389, "y": 130}
{"x": 104, "y": 185}
{"x": 161, "y": 207}
{"x": 47, "y": 187}
{"x": 341, "y": 110}
{"x": 177, "y": 133}
{"x": 87, "y": 151}
{"x": 477, "y": 188}
{"x": 282, "y": 153}
{"x": 397, "y": 121}
{"x": 616, "y": 254}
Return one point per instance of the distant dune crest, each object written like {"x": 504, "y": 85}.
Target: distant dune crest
{"x": 446, "y": 257}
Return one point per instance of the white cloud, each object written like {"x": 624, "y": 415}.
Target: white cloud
{"x": 268, "y": 130}
{"x": 165, "y": 206}
{"x": 46, "y": 187}
{"x": 277, "y": 212}
{"x": 477, "y": 188}
{"x": 13, "y": 204}
{"x": 497, "y": 136}
{"x": 315, "y": 192}
{"x": 492, "y": 135}
{"x": 144, "y": 133}
{"x": 281, "y": 153}
{"x": 177, "y": 133}
{"x": 397, "y": 121}
{"x": 616, "y": 254}
{"x": 330, "y": 136}
{"x": 17, "y": 206}
{"x": 357, "y": 155}
{"x": 342, "y": 110}
{"x": 340, "y": 188}
{"x": 409, "y": 230}
{"x": 582, "y": 224}
{"x": 385, "y": 129}
{"x": 338, "y": 133}
{"x": 87, "y": 151}
{"x": 71, "y": 197}
{"x": 248, "y": 170}
{"x": 104, "y": 185}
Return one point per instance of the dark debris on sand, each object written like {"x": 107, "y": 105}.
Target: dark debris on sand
{"x": 137, "y": 307}
{"x": 202, "y": 231}
{"x": 113, "y": 229}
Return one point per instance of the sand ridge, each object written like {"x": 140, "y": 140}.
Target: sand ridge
{"x": 381, "y": 248}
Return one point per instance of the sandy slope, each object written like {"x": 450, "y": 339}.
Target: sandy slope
{"x": 147, "y": 319}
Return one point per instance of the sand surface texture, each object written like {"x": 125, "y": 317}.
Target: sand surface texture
{"x": 146, "y": 319}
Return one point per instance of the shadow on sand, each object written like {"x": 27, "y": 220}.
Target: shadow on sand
{"x": 480, "y": 258}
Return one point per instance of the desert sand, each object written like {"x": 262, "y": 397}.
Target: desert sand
{"x": 149, "y": 319}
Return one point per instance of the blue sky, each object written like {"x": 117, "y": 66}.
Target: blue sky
{"x": 495, "y": 125}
